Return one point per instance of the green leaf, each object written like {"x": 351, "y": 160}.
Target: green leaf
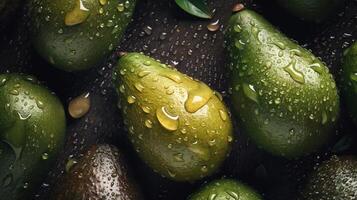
{"x": 197, "y": 8}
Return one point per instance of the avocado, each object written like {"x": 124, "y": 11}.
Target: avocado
{"x": 334, "y": 179}
{"x": 102, "y": 173}
{"x": 32, "y": 124}
{"x": 79, "y": 34}
{"x": 179, "y": 126}
{"x": 284, "y": 96}
{"x": 349, "y": 80}
{"x": 226, "y": 189}
{"x": 312, "y": 10}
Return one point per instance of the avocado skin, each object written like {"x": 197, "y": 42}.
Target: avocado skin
{"x": 312, "y": 10}
{"x": 81, "y": 46}
{"x": 284, "y": 96}
{"x": 32, "y": 127}
{"x": 102, "y": 173}
{"x": 225, "y": 189}
{"x": 202, "y": 139}
{"x": 349, "y": 80}
{"x": 335, "y": 179}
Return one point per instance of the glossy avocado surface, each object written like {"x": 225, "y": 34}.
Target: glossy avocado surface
{"x": 179, "y": 126}
{"x": 285, "y": 97}
{"x": 335, "y": 178}
{"x": 226, "y": 189}
{"x": 32, "y": 127}
{"x": 102, "y": 173}
{"x": 349, "y": 79}
{"x": 78, "y": 35}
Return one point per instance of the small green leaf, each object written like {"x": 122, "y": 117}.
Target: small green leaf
{"x": 197, "y": 8}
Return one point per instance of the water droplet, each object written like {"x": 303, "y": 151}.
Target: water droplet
{"x": 294, "y": 73}
{"x": 250, "y": 92}
{"x": 70, "y": 163}
{"x": 131, "y": 99}
{"x": 79, "y": 106}
{"x": 353, "y": 77}
{"x": 173, "y": 76}
{"x": 167, "y": 120}
{"x": 44, "y": 156}
{"x": 142, "y": 74}
{"x": 148, "y": 123}
{"x": 198, "y": 97}
{"x": 139, "y": 87}
{"x": 223, "y": 115}
{"x": 317, "y": 68}
{"x": 78, "y": 15}
{"x": 103, "y": 2}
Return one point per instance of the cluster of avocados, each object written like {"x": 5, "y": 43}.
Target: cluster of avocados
{"x": 283, "y": 98}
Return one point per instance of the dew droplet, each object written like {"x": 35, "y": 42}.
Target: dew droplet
{"x": 131, "y": 99}
{"x": 78, "y": 15}
{"x": 294, "y": 73}
{"x": 223, "y": 115}
{"x": 250, "y": 92}
{"x": 148, "y": 123}
{"x": 167, "y": 120}
{"x": 198, "y": 97}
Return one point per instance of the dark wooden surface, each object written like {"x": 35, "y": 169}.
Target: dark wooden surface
{"x": 161, "y": 30}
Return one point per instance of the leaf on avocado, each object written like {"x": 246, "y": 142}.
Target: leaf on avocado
{"x": 197, "y": 8}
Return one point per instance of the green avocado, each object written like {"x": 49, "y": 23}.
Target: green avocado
{"x": 32, "y": 130}
{"x": 178, "y": 125}
{"x": 335, "y": 179}
{"x": 225, "y": 189}
{"x": 349, "y": 80}
{"x": 102, "y": 173}
{"x": 284, "y": 96}
{"x": 78, "y": 34}
{"x": 312, "y": 10}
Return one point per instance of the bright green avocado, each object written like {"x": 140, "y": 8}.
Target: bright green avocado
{"x": 225, "y": 189}
{"x": 32, "y": 130}
{"x": 312, "y": 10}
{"x": 284, "y": 96}
{"x": 335, "y": 179}
{"x": 78, "y": 34}
{"x": 349, "y": 76}
{"x": 178, "y": 125}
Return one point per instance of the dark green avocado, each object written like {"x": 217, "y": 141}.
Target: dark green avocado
{"x": 32, "y": 130}
{"x": 312, "y": 10}
{"x": 78, "y": 34}
{"x": 284, "y": 96}
{"x": 179, "y": 126}
{"x": 225, "y": 189}
{"x": 101, "y": 174}
{"x": 335, "y": 179}
{"x": 349, "y": 76}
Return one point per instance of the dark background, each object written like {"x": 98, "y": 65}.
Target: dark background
{"x": 178, "y": 38}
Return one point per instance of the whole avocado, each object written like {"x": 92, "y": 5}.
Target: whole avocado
{"x": 178, "y": 125}
{"x": 285, "y": 97}
{"x": 349, "y": 80}
{"x": 226, "y": 189}
{"x": 102, "y": 173}
{"x": 312, "y": 10}
{"x": 32, "y": 124}
{"x": 335, "y": 179}
{"x": 78, "y": 34}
